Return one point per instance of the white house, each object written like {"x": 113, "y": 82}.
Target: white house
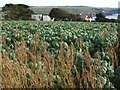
{"x": 43, "y": 17}
{"x": 88, "y": 18}
{"x": 46, "y": 18}
{"x": 37, "y": 17}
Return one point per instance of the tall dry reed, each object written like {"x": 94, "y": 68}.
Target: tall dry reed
{"x": 37, "y": 67}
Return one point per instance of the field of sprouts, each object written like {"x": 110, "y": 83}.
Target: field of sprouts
{"x": 58, "y": 54}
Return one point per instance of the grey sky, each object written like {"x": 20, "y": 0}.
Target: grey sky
{"x": 94, "y": 3}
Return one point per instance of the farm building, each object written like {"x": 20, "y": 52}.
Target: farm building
{"x": 46, "y": 17}
{"x": 39, "y": 17}
{"x": 86, "y": 17}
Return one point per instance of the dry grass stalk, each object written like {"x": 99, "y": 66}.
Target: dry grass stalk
{"x": 112, "y": 54}
{"x": 50, "y": 72}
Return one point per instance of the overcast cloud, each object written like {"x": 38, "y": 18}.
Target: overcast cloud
{"x": 94, "y": 3}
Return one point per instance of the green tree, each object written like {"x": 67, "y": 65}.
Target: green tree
{"x": 100, "y": 17}
{"x": 17, "y": 12}
{"x": 60, "y": 14}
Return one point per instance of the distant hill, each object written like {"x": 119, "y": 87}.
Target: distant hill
{"x": 74, "y": 9}
{"x": 114, "y": 11}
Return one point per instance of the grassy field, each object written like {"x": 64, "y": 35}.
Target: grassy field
{"x": 58, "y": 54}
{"x": 70, "y": 9}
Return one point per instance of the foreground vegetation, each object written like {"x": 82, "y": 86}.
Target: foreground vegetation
{"x": 58, "y": 54}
